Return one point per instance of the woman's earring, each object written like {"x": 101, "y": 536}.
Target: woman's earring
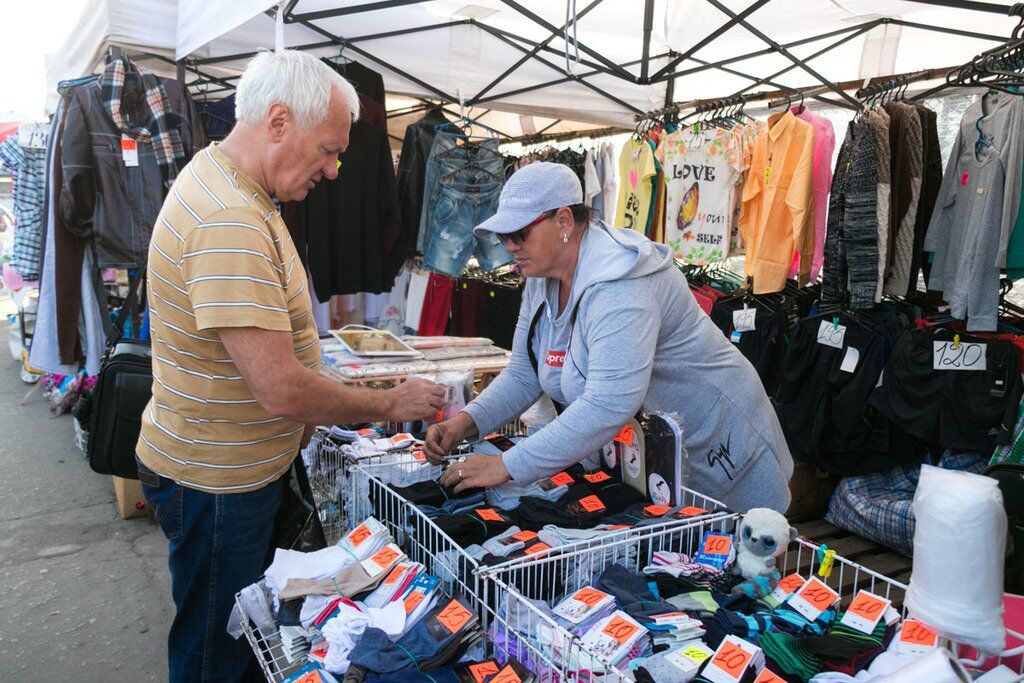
{"x": 565, "y": 238}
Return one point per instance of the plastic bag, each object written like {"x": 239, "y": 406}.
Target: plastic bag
{"x": 959, "y": 548}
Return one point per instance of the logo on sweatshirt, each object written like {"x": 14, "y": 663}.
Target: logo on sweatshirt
{"x": 555, "y": 359}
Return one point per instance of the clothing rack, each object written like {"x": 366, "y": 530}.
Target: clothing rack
{"x": 569, "y": 135}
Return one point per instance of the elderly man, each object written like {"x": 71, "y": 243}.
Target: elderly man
{"x": 236, "y": 353}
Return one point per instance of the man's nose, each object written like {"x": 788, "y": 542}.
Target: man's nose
{"x": 331, "y": 169}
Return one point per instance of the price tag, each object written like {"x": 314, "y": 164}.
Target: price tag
{"x": 525, "y": 536}
{"x": 419, "y": 455}
{"x": 597, "y": 477}
{"x": 381, "y": 560}
{"x": 400, "y": 440}
{"x": 916, "y": 638}
{"x": 616, "y": 527}
{"x": 690, "y": 511}
{"x": 590, "y": 596}
{"x": 831, "y": 334}
{"x": 787, "y": 586}
{"x": 481, "y": 671}
{"x": 767, "y": 676}
{"x": 743, "y": 319}
{"x": 584, "y": 602}
{"x": 309, "y": 676}
{"x": 412, "y": 601}
{"x": 506, "y": 675}
{"x": 562, "y": 479}
{"x": 717, "y": 544}
{"x": 129, "y": 151}
{"x": 396, "y": 574}
{"x": 730, "y": 661}
{"x": 767, "y": 174}
{"x": 813, "y": 599}
{"x": 489, "y": 515}
{"x": 454, "y": 616}
{"x": 735, "y": 337}
{"x": 625, "y": 435}
{"x": 656, "y": 510}
{"x": 850, "y": 360}
{"x": 690, "y": 657}
{"x": 864, "y": 613}
{"x": 537, "y": 548}
{"x": 359, "y": 535}
{"x": 592, "y": 504}
{"x": 969, "y": 356}
{"x": 621, "y": 630}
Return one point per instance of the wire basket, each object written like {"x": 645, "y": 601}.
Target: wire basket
{"x": 266, "y": 645}
{"x": 522, "y": 630}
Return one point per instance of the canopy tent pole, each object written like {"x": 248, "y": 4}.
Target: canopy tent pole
{"x": 645, "y": 56}
{"x": 343, "y": 11}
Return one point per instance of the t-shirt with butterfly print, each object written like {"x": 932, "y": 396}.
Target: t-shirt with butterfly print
{"x": 702, "y": 167}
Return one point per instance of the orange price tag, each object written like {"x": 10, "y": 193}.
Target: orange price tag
{"x": 626, "y": 435}
{"x": 690, "y": 511}
{"x": 592, "y": 504}
{"x": 419, "y": 455}
{"x": 791, "y": 583}
{"x": 525, "y": 536}
{"x": 656, "y": 510}
{"x": 359, "y": 534}
{"x": 310, "y": 677}
{"x": 917, "y": 634}
{"x": 537, "y": 548}
{"x": 412, "y": 601}
{"x": 490, "y": 515}
{"x": 813, "y": 599}
{"x": 562, "y": 479}
{"x": 395, "y": 574}
{"x": 597, "y": 477}
{"x": 454, "y": 616}
{"x": 482, "y": 670}
{"x": 385, "y": 556}
{"x": 717, "y": 545}
{"x": 732, "y": 659}
{"x": 128, "y": 144}
{"x": 867, "y": 605}
{"x": 589, "y": 596}
{"x": 620, "y": 629}
{"x": 767, "y": 676}
{"x": 506, "y": 675}
{"x": 616, "y": 527}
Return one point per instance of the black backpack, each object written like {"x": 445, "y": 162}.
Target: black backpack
{"x": 123, "y": 388}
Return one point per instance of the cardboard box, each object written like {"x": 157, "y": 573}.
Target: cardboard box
{"x": 130, "y": 501}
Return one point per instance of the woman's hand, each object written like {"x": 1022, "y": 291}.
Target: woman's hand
{"x": 476, "y": 471}
{"x": 444, "y": 436}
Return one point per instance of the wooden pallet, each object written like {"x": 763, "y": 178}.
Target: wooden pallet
{"x": 869, "y": 554}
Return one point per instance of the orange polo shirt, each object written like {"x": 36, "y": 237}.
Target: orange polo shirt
{"x": 778, "y": 203}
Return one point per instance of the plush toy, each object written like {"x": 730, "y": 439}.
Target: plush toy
{"x": 763, "y": 535}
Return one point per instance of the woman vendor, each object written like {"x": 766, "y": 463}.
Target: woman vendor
{"x": 608, "y": 326}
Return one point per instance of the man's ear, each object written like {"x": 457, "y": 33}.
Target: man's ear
{"x": 278, "y": 119}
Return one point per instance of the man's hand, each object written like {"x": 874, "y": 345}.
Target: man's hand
{"x": 476, "y": 471}
{"x": 415, "y": 399}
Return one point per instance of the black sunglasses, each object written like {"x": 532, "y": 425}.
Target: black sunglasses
{"x": 520, "y": 235}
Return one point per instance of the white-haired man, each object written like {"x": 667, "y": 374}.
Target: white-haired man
{"x": 236, "y": 353}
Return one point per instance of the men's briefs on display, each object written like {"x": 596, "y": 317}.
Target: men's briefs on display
{"x": 759, "y": 345}
{"x": 970, "y": 409}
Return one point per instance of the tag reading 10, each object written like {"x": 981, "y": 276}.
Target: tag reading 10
{"x": 813, "y": 599}
{"x": 620, "y": 629}
{"x": 864, "y": 613}
{"x": 731, "y": 659}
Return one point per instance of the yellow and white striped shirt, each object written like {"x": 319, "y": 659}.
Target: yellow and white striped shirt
{"x": 220, "y": 256}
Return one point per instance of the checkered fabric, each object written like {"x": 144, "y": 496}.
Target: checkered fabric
{"x": 27, "y": 167}
{"x": 878, "y": 506}
{"x": 1014, "y": 453}
{"x": 162, "y": 127}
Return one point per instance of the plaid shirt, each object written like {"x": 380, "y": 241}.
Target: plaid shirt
{"x": 162, "y": 127}
{"x": 27, "y": 166}
{"x": 878, "y": 506}
{"x": 1014, "y": 453}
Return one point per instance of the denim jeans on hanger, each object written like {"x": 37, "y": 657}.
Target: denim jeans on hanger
{"x": 459, "y": 208}
{"x": 451, "y": 153}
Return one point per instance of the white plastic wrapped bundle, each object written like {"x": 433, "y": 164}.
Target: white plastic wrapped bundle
{"x": 959, "y": 549}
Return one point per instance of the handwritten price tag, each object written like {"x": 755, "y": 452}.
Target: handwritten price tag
{"x": 412, "y": 601}
{"x": 590, "y": 596}
{"x": 359, "y": 535}
{"x": 969, "y": 356}
{"x": 916, "y": 638}
{"x": 481, "y": 671}
{"x": 864, "y": 613}
{"x": 656, "y": 510}
{"x": 525, "y": 536}
{"x": 621, "y": 630}
{"x": 730, "y": 661}
{"x": 715, "y": 544}
{"x": 767, "y": 676}
{"x": 488, "y": 514}
{"x": 537, "y": 548}
{"x": 597, "y": 477}
{"x": 395, "y": 574}
{"x": 813, "y": 599}
{"x": 690, "y": 511}
{"x": 384, "y": 558}
{"x": 831, "y": 334}
{"x": 562, "y": 479}
{"x": 787, "y": 586}
{"x": 454, "y": 616}
{"x": 592, "y": 504}
{"x": 743, "y": 320}
{"x": 691, "y": 657}
{"x": 506, "y": 675}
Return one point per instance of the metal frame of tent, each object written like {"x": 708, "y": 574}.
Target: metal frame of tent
{"x": 677, "y": 66}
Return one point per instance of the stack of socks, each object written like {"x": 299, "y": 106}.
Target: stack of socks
{"x": 677, "y": 665}
{"x": 617, "y": 638}
{"x": 578, "y": 612}
{"x": 395, "y": 584}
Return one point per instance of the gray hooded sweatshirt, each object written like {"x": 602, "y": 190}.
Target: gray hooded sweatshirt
{"x": 639, "y": 341}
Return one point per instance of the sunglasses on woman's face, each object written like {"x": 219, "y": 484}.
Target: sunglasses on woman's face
{"x": 520, "y": 235}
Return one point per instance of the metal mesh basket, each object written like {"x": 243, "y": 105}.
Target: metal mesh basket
{"x": 525, "y": 631}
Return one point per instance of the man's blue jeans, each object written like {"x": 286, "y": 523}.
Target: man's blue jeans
{"x": 218, "y": 545}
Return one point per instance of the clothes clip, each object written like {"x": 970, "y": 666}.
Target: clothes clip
{"x": 956, "y": 342}
{"x": 826, "y": 559}
{"x": 835, "y": 323}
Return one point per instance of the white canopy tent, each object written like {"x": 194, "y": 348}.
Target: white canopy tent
{"x": 510, "y": 55}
